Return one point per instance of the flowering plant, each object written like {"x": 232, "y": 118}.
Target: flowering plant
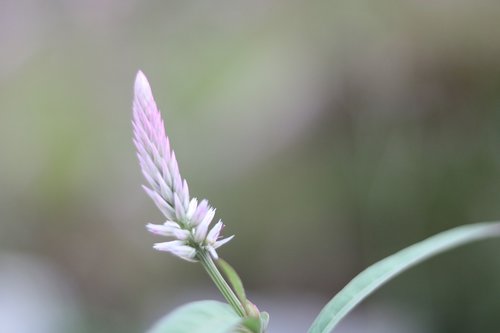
{"x": 188, "y": 225}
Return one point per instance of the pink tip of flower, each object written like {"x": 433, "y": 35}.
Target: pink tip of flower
{"x": 141, "y": 86}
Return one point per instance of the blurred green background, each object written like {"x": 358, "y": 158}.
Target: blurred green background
{"x": 328, "y": 134}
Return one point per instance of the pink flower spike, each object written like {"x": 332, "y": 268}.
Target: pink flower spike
{"x": 187, "y": 221}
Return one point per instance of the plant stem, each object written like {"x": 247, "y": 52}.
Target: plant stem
{"x": 226, "y": 291}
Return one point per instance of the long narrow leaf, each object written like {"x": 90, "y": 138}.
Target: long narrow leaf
{"x": 199, "y": 317}
{"x": 233, "y": 278}
{"x": 379, "y": 273}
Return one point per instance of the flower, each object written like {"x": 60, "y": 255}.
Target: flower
{"x": 187, "y": 221}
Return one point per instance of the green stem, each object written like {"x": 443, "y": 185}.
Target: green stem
{"x": 226, "y": 291}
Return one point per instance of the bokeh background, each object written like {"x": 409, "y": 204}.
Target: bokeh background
{"x": 328, "y": 134}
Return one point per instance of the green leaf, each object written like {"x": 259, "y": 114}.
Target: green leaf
{"x": 376, "y": 275}
{"x": 234, "y": 279}
{"x": 199, "y": 317}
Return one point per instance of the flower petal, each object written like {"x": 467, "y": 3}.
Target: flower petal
{"x": 214, "y": 233}
{"x": 162, "y": 205}
{"x": 177, "y": 248}
{"x": 212, "y": 252}
{"x": 177, "y": 231}
{"x": 179, "y": 208}
{"x": 185, "y": 193}
{"x": 158, "y": 229}
{"x": 222, "y": 241}
{"x": 202, "y": 229}
{"x": 193, "y": 204}
{"x": 200, "y": 212}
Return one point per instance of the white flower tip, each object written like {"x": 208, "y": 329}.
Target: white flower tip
{"x": 213, "y": 253}
{"x": 156, "y": 229}
{"x": 223, "y": 241}
{"x": 177, "y": 248}
{"x": 141, "y": 84}
{"x": 214, "y": 233}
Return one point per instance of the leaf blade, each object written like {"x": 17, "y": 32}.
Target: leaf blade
{"x": 199, "y": 317}
{"x": 379, "y": 273}
{"x": 233, "y": 279}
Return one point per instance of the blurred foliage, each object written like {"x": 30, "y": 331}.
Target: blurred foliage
{"x": 327, "y": 134}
